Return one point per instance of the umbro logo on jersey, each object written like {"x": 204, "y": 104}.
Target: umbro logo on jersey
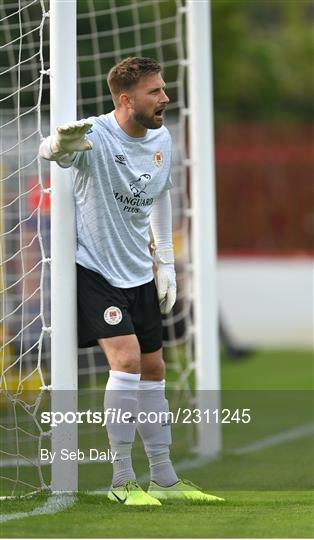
{"x": 120, "y": 159}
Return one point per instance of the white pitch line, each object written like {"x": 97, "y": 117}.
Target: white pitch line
{"x": 55, "y": 503}
{"x": 275, "y": 440}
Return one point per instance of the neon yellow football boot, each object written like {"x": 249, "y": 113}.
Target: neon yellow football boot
{"x": 131, "y": 493}
{"x": 182, "y": 490}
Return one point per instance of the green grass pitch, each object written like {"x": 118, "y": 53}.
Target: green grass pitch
{"x": 268, "y": 491}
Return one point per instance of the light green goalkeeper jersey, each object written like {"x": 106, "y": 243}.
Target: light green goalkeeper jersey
{"x": 115, "y": 187}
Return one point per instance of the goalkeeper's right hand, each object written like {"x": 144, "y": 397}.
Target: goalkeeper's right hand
{"x": 70, "y": 138}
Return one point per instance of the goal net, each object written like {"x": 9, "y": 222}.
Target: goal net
{"x": 107, "y": 32}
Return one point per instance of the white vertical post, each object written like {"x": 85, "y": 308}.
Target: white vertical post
{"x": 203, "y": 220}
{"x": 63, "y": 243}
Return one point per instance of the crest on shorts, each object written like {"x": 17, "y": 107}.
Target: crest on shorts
{"x": 158, "y": 159}
{"x": 113, "y": 315}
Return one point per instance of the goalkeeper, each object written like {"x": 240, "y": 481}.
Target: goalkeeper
{"x": 121, "y": 165}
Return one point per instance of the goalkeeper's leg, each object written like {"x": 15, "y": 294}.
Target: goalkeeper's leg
{"x": 156, "y": 436}
{"x": 164, "y": 483}
{"x": 121, "y": 395}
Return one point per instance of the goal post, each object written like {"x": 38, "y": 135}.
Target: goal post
{"x": 204, "y": 251}
{"x": 63, "y": 83}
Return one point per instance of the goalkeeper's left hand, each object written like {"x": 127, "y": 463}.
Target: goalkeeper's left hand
{"x": 165, "y": 278}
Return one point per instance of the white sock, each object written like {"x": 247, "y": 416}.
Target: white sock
{"x": 156, "y": 436}
{"x": 122, "y": 394}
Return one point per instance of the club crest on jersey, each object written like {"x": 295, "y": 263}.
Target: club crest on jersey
{"x": 158, "y": 159}
{"x": 113, "y": 315}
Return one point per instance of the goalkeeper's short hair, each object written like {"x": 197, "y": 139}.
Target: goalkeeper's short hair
{"x": 125, "y": 74}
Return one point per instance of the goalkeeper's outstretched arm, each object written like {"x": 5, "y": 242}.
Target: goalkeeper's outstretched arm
{"x": 67, "y": 141}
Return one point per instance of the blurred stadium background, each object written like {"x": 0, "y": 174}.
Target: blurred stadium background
{"x": 264, "y": 150}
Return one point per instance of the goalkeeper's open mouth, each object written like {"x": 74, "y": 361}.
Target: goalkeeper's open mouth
{"x": 159, "y": 113}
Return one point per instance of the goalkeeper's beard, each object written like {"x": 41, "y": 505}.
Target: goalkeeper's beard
{"x": 148, "y": 122}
